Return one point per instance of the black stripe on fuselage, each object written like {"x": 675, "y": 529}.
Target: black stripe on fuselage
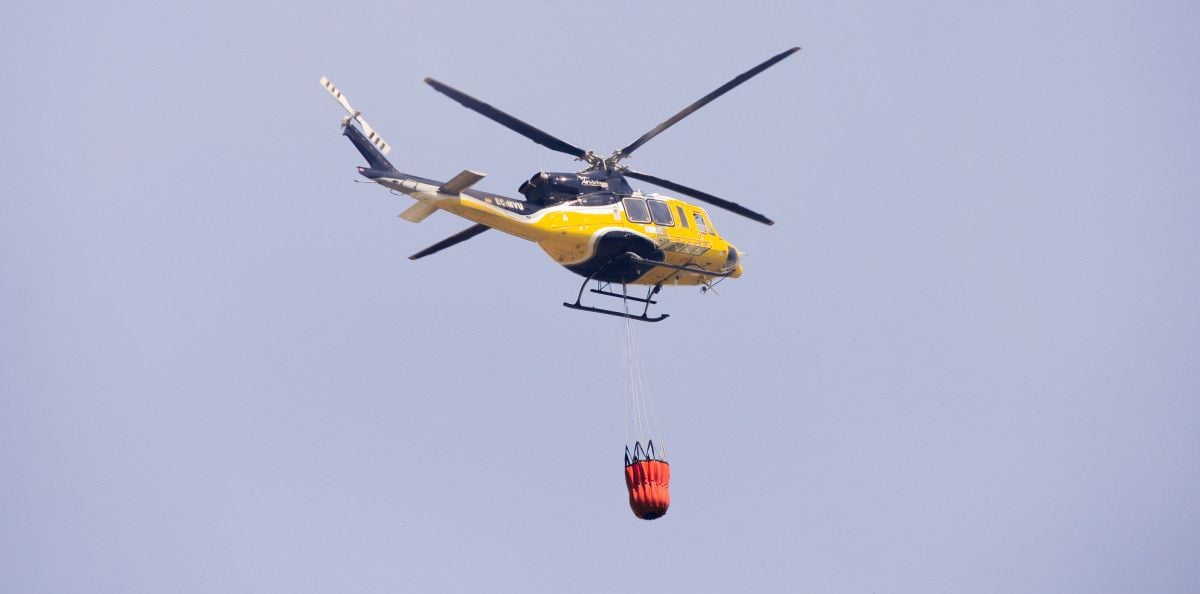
{"x": 606, "y": 263}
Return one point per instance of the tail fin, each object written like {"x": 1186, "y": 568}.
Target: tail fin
{"x": 372, "y": 146}
{"x": 373, "y": 155}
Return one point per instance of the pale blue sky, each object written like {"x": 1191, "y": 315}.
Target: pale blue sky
{"x": 965, "y": 359}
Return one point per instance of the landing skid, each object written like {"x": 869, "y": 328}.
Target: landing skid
{"x": 620, "y": 314}
{"x": 602, "y": 288}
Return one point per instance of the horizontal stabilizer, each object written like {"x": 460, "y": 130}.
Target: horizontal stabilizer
{"x": 355, "y": 115}
{"x": 461, "y": 182}
{"x": 418, "y": 212}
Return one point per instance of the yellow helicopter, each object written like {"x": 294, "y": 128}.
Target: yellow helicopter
{"x": 591, "y": 222}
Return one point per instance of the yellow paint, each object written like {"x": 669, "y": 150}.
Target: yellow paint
{"x": 567, "y": 232}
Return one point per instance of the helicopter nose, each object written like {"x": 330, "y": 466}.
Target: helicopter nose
{"x": 733, "y": 262}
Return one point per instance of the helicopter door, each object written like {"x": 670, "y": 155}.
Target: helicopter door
{"x": 676, "y": 234}
{"x": 697, "y": 241}
{"x": 660, "y": 213}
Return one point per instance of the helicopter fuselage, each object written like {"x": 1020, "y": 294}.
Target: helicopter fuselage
{"x": 590, "y": 234}
{"x": 592, "y": 222}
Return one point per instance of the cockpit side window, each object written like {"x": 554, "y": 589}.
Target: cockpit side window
{"x": 636, "y": 211}
{"x": 700, "y": 221}
{"x": 660, "y": 212}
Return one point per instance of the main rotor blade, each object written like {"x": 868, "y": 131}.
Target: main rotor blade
{"x": 725, "y": 88}
{"x": 697, "y": 194}
{"x": 459, "y": 237}
{"x": 506, "y": 120}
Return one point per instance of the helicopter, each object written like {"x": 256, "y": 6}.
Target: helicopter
{"x": 592, "y": 222}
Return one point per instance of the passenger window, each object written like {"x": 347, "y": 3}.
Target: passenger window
{"x": 700, "y": 222}
{"x": 660, "y": 212}
{"x": 636, "y": 211}
{"x": 682, "y": 217}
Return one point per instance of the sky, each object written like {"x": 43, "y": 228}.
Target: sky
{"x": 964, "y": 359}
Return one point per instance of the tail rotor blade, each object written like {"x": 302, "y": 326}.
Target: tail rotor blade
{"x": 370, "y": 132}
